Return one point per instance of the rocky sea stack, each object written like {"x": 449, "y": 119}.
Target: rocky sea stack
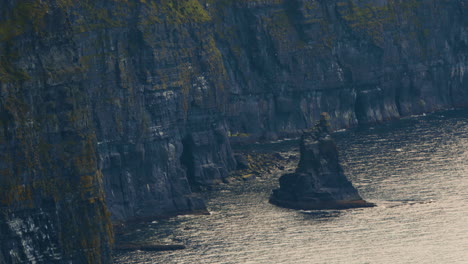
{"x": 319, "y": 181}
{"x": 114, "y": 111}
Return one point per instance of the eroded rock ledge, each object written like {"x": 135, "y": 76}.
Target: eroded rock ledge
{"x": 319, "y": 181}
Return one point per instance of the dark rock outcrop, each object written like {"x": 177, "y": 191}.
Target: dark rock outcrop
{"x": 319, "y": 181}
{"x": 143, "y": 96}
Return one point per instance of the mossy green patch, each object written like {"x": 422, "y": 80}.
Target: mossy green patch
{"x": 370, "y": 19}
{"x": 24, "y": 15}
{"x": 174, "y": 12}
{"x": 10, "y": 73}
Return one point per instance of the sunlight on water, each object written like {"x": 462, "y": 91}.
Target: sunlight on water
{"x": 415, "y": 169}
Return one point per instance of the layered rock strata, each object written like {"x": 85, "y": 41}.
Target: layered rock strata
{"x": 148, "y": 95}
{"x": 52, "y": 201}
{"x": 319, "y": 181}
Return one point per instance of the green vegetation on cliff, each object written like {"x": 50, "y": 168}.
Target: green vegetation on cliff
{"x": 174, "y": 12}
{"x": 24, "y": 14}
{"x": 371, "y": 19}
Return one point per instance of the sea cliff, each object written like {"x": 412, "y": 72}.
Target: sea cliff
{"x": 124, "y": 106}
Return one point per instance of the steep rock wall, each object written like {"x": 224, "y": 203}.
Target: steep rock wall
{"x": 150, "y": 93}
{"x": 361, "y": 61}
{"x": 52, "y": 207}
{"x": 156, "y": 81}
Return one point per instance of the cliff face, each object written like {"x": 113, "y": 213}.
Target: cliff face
{"x": 52, "y": 207}
{"x": 360, "y": 61}
{"x": 143, "y": 96}
{"x": 156, "y": 91}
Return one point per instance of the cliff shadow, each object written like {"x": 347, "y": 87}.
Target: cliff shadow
{"x": 187, "y": 159}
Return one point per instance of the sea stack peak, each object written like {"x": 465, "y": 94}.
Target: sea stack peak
{"x": 319, "y": 181}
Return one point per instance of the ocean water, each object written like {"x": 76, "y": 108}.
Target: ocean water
{"x": 414, "y": 169}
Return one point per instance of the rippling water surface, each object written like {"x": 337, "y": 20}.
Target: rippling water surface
{"x": 415, "y": 169}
